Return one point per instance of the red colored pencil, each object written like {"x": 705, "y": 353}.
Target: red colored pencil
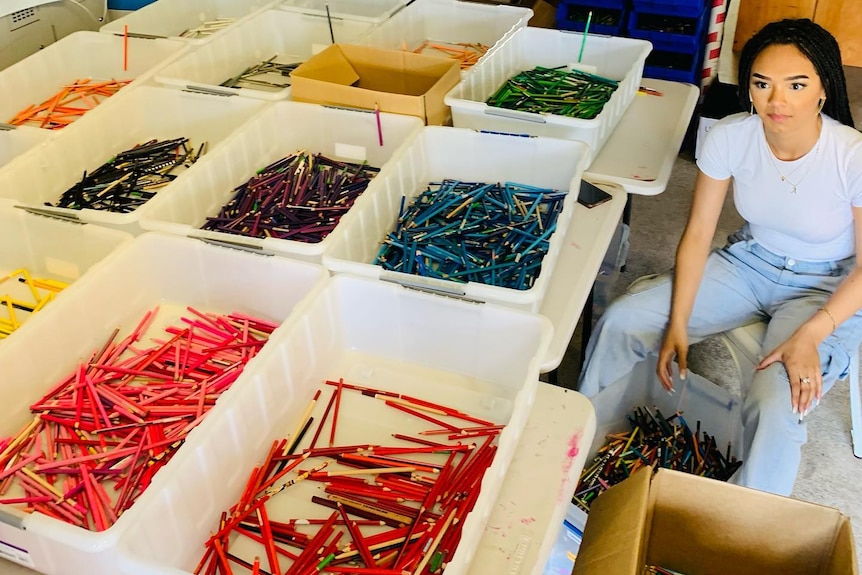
{"x": 335, "y": 412}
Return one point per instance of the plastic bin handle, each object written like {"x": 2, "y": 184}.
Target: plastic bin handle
{"x": 580, "y": 33}
{"x": 62, "y": 216}
{"x": 141, "y": 36}
{"x": 515, "y": 115}
{"x": 428, "y": 285}
{"x": 235, "y": 246}
{"x": 13, "y": 517}
{"x": 210, "y": 91}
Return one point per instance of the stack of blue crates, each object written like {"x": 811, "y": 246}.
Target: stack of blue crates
{"x": 609, "y": 16}
{"x": 677, "y": 30}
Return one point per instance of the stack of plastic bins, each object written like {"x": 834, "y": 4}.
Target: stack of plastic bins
{"x": 194, "y": 21}
{"x": 431, "y": 26}
{"x": 145, "y": 113}
{"x": 677, "y": 30}
{"x": 282, "y": 130}
{"x": 275, "y": 35}
{"x": 80, "y": 56}
{"x": 480, "y": 359}
{"x": 440, "y": 153}
{"x": 153, "y": 271}
{"x": 608, "y": 16}
{"x": 620, "y": 59}
{"x": 47, "y": 250}
{"x": 371, "y": 11}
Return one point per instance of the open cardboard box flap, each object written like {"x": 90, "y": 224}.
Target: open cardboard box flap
{"x": 701, "y": 526}
{"x": 366, "y": 77}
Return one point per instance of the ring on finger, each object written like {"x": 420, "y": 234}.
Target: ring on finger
{"x": 805, "y": 380}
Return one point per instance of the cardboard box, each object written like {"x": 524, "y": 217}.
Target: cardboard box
{"x": 700, "y": 526}
{"x": 544, "y": 11}
{"x": 544, "y": 15}
{"x": 365, "y": 77}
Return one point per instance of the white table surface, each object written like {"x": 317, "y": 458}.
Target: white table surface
{"x": 637, "y": 159}
{"x": 523, "y": 526}
{"x": 538, "y": 486}
{"x": 640, "y": 153}
{"x": 590, "y": 233}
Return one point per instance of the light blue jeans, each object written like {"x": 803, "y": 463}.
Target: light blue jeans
{"x": 743, "y": 283}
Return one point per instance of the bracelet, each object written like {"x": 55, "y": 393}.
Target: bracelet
{"x": 832, "y": 319}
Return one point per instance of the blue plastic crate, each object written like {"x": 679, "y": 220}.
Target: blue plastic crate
{"x": 608, "y": 20}
{"x": 669, "y": 31}
{"x": 128, "y": 4}
{"x": 675, "y": 66}
{"x": 692, "y": 8}
{"x": 593, "y": 4}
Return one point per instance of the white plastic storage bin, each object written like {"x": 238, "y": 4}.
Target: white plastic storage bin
{"x": 446, "y": 22}
{"x": 289, "y": 36}
{"x": 154, "y": 270}
{"x": 80, "y": 56}
{"x": 283, "y": 129}
{"x": 568, "y": 543}
{"x": 372, "y": 11}
{"x": 148, "y": 112}
{"x": 16, "y": 141}
{"x": 439, "y": 153}
{"x": 698, "y": 398}
{"x": 620, "y": 59}
{"x": 171, "y": 18}
{"x": 481, "y": 359}
{"x": 48, "y": 248}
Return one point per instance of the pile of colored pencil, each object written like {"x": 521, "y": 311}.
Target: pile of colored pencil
{"x": 132, "y": 177}
{"x": 388, "y": 509}
{"x": 495, "y": 234}
{"x": 18, "y": 308}
{"x": 113, "y": 422}
{"x": 268, "y": 74}
{"x": 301, "y": 197}
{"x": 657, "y": 442}
{"x": 69, "y": 104}
{"x": 208, "y": 28}
{"x": 557, "y": 91}
{"x": 468, "y": 53}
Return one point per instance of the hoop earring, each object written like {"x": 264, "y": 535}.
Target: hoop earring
{"x": 820, "y": 102}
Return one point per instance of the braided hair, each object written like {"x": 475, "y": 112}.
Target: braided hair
{"x": 816, "y": 44}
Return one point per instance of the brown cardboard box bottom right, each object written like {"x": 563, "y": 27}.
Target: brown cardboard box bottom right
{"x": 699, "y": 526}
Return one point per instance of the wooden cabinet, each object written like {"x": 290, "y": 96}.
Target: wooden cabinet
{"x": 837, "y": 16}
{"x": 754, "y": 14}
{"x": 840, "y": 18}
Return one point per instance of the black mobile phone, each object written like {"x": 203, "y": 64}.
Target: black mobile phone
{"x": 591, "y": 195}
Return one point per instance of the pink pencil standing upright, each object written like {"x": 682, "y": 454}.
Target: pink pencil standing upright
{"x": 379, "y": 126}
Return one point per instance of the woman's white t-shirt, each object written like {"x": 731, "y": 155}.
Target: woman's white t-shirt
{"x": 815, "y": 222}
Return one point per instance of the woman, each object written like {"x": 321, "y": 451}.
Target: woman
{"x": 795, "y": 161}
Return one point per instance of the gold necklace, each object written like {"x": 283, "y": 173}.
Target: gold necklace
{"x": 812, "y": 155}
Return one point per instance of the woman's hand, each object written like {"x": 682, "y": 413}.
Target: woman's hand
{"x": 675, "y": 344}
{"x": 802, "y": 361}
